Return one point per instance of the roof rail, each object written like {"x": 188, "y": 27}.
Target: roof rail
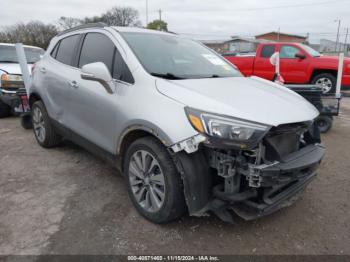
{"x": 90, "y": 25}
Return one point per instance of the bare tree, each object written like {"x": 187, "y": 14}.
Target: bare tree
{"x": 33, "y": 33}
{"x": 92, "y": 19}
{"x": 68, "y": 22}
{"x": 121, "y": 16}
{"x": 39, "y": 34}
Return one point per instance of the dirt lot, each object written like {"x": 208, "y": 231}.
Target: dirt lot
{"x": 65, "y": 201}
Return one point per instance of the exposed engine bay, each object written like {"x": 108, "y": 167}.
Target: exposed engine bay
{"x": 261, "y": 180}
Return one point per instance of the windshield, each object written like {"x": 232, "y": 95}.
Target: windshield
{"x": 8, "y": 54}
{"x": 310, "y": 50}
{"x": 174, "y": 57}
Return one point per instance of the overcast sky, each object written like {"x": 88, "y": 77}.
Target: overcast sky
{"x": 202, "y": 19}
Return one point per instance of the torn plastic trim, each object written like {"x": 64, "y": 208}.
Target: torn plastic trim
{"x": 197, "y": 180}
{"x": 190, "y": 145}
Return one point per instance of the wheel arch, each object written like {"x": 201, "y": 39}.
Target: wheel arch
{"x": 193, "y": 168}
{"x": 318, "y": 71}
{"x": 136, "y": 131}
{"x": 33, "y": 98}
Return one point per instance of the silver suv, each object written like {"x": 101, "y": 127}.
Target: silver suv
{"x": 187, "y": 130}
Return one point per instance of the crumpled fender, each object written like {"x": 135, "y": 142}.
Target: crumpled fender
{"x": 197, "y": 180}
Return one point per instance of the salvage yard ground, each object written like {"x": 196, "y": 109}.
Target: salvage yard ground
{"x": 66, "y": 201}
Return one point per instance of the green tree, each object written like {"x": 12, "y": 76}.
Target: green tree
{"x": 158, "y": 25}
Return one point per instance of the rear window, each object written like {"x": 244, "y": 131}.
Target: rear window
{"x": 267, "y": 51}
{"x": 66, "y": 49}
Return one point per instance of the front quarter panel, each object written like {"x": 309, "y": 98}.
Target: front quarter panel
{"x": 153, "y": 112}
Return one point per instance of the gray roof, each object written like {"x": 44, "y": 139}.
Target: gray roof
{"x": 220, "y": 41}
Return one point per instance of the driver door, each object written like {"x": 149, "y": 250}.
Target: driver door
{"x": 293, "y": 69}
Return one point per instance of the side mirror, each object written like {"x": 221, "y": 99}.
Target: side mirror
{"x": 98, "y": 72}
{"x": 300, "y": 55}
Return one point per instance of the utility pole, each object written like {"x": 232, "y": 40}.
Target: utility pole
{"x": 278, "y": 34}
{"x": 336, "y": 42}
{"x": 346, "y": 41}
{"x": 146, "y": 13}
{"x": 160, "y": 14}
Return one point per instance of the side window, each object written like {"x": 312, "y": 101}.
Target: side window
{"x": 55, "y": 49}
{"x": 121, "y": 70}
{"x": 288, "y": 51}
{"x": 267, "y": 51}
{"x": 66, "y": 49}
{"x": 97, "y": 48}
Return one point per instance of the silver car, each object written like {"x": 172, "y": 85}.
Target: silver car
{"x": 185, "y": 128}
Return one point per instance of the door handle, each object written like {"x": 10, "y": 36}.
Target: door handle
{"x": 43, "y": 70}
{"x": 74, "y": 84}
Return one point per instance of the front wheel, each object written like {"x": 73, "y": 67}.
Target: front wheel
{"x": 154, "y": 185}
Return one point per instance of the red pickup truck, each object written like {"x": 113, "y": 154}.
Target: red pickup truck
{"x": 299, "y": 64}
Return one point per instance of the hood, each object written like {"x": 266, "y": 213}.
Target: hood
{"x": 11, "y": 68}
{"x": 252, "y": 99}
{"x": 331, "y": 61}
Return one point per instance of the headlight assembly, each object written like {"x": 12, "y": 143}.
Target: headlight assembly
{"x": 11, "y": 81}
{"x": 227, "y": 130}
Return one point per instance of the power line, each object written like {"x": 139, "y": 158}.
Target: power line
{"x": 290, "y": 6}
{"x": 313, "y": 4}
{"x": 336, "y": 42}
{"x": 160, "y": 14}
{"x": 146, "y": 12}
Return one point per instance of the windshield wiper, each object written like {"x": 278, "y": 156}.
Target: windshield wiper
{"x": 8, "y": 61}
{"x": 214, "y": 76}
{"x": 167, "y": 76}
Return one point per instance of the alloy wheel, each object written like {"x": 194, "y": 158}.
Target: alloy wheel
{"x": 325, "y": 83}
{"x": 147, "y": 181}
{"x": 39, "y": 124}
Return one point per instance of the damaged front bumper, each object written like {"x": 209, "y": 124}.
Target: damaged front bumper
{"x": 270, "y": 187}
{"x": 250, "y": 190}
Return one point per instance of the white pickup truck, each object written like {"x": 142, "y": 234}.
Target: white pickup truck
{"x": 11, "y": 76}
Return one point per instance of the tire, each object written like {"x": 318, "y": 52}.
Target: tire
{"x": 324, "y": 123}
{"x": 172, "y": 205}
{"x": 326, "y": 81}
{"x": 26, "y": 121}
{"x": 44, "y": 131}
{"x": 5, "y": 110}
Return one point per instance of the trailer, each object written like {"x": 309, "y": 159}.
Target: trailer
{"x": 327, "y": 104}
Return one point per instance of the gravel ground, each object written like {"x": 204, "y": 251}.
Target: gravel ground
{"x": 65, "y": 201}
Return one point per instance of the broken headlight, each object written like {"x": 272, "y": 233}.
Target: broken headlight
{"x": 231, "y": 131}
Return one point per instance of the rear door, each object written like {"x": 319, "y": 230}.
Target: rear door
{"x": 293, "y": 69}
{"x": 54, "y": 73}
{"x": 262, "y": 65}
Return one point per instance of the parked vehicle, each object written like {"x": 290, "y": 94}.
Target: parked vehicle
{"x": 187, "y": 130}
{"x": 299, "y": 64}
{"x": 10, "y": 75}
